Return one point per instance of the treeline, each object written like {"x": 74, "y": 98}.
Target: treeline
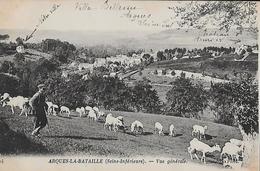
{"x": 66, "y": 51}
{"x": 169, "y": 54}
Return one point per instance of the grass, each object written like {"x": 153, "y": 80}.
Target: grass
{"x": 80, "y": 136}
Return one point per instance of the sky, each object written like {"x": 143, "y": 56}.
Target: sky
{"x": 25, "y": 14}
{"x": 94, "y": 17}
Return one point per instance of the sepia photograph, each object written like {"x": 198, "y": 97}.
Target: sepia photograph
{"x": 109, "y": 84}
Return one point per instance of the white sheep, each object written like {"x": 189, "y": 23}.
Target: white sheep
{"x": 83, "y": 111}
{"x": 232, "y": 151}
{"x": 4, "y": 97}
{"x": 196, "y": 145}
{"x": 100, "y": 114}
{"x": 18, "y": 101}
{"x": 172, "y": 132}
{"x": 54, "y": 109}
{"x": 158, "y": 127}
{"x": 79, "y": 111}
{"x": 92, "y": 115}
{"x": 236, "y": 142}
{"x": 95, "y": 109}
{"x": 137, "y": 126}
{"x": 64, "y": 109}
{"x": 49, "y": 110}
{"x": 197, "y": 129}
{"x": 112, "y": 123}
{"x": 26, "y": 109}
{"x": 121, "y": 118}
{"x": 87, "y": 109}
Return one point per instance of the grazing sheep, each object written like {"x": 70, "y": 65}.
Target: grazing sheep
{"x": 95, "y": 109}
{"x": 92, "y": 115}
{"x": 197, "y": 129}
{"x": 54, "y": 109}
{"x": 83, "y": 111}
{"x": 13, "y": 102}
{"x": 100, "y": 114}
{"x": 4, "y": 97}
{"x": 136, "y": 127}
{"x": 49, "y": 110}
{"x": 79, "y": 111}
{"x": 120, "y": 118}
{"x": 196, "y": 145}
{"x": 87, "y": 109}
{"x": 26, "y": 109}
{"x": 172, "y": 132}
{"x": 159, "y": 128}
{"x": 112, "y": 123}
{"x": 232, "y": 151}
{"x": 64, "y": 109}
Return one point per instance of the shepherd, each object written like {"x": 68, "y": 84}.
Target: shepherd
{"x": 39, "y": 107}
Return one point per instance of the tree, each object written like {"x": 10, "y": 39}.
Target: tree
{"x": 4, "y": 37}
{"x": 186, "y": 99}
{"x": 238, "y": 102}
{"x": 160, "y": 56}
{"x": 144, "y": 98}
{"x": 224, "y": 15}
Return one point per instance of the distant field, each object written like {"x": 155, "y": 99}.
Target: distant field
{"x": 220, "y": 67}
{"x": 67, "y": 136}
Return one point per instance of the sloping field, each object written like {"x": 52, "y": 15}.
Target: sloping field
{"x": 74, "y": 135}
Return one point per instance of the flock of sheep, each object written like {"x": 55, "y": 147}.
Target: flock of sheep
{"x": 232, "y": 149}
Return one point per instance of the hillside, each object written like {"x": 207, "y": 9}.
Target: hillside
{"x": 30, "y": 54}
{"x": 76, "y": 136}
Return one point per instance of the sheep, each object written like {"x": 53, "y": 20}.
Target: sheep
{"x": 18, "y": 101}
{"x": 49, "y": 110}
{"x": 26, "y": 109}
{"x": 236, "y": 142}
{"x": 171, "y": 128}
{"x": 95, "y": 109}
{"x": 83, "y": 112}
{"x": 100, "y": 114}
{"x": 54, "y": 109}
{"x": 64, "y": 109}
{"x": 159, "y": 128}
{"x": 137, "y": 126}
{"x": 92, "y": 115}
{"x": 231, "y": 150}
{"x": 79, "y": 110}
{"x": 4, "y": 97}
{"x": 197, "y": 129}
{"x": 120, "y": 118}
{"x": 112, "y": 123}
{"x": 87, "y": 109}
{"x": 196, "y": 145}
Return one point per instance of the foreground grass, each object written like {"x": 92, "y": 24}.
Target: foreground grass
{"x": 80, "y": 136}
